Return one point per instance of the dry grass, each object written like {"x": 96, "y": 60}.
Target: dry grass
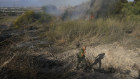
{"x": 106, "y": 30}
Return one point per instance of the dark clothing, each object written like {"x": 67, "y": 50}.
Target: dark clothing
{"x": 81, "y": 59}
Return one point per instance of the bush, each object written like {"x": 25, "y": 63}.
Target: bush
{"x": 131, "y": 9}
{"x": 24, "y": 19}
{"x": 30, "y": 17}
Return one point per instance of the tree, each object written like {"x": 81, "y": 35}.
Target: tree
{"x": 131, "y": 8}
{"x": 136, "y": 0}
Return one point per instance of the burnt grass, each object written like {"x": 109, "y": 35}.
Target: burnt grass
{"x": 38, "y": 67}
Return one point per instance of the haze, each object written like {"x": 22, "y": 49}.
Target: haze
{"x": 35, "y": 3}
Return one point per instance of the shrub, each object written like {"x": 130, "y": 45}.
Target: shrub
{"x": 29, "y": 17}
{"x": 24, "y": 19}
{"x": 131, "y": 9}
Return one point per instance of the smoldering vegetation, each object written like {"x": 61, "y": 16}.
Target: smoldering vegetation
{"x": 96, "y": 8}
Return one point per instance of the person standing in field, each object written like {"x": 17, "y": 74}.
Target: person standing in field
{"x": 81, "y": 57}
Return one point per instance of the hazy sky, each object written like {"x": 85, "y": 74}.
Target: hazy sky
{"x": 11, "y": 3}
{"x": 130, "y": 0}
{"x": 24, "y": 3}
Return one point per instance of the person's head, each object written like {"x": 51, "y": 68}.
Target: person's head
{"x": 84, "y": 47}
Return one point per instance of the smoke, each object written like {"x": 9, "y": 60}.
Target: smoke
{"x": 79, "y": 8}
{"x": 101, "y": 7}
{"x": 77, "y": 12}
{"x": 58, "y": 7}
{"x": 130, "y": 0}
{"x": 53, "y": 10}
{"x": 54, "y": 7}
{"x": 95, "y": 8}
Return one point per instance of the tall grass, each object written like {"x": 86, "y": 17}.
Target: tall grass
{"x": 107, "y": 30}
